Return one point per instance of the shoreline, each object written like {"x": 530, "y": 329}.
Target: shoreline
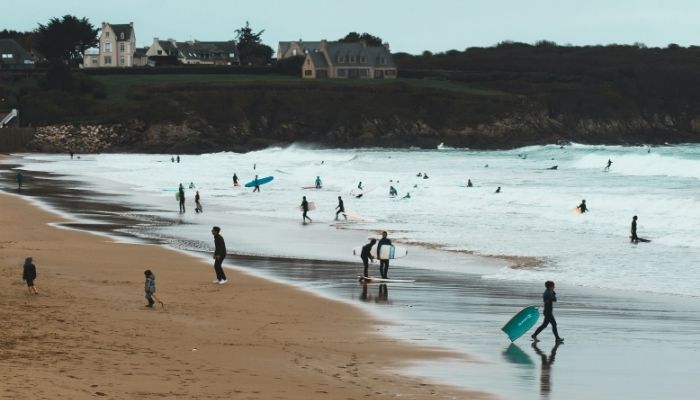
{"x": 123, "y": 336}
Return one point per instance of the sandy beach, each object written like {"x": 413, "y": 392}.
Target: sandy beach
{"x": 88, "y": 333}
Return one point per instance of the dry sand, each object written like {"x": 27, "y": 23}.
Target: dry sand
{"x": 87, "y": 334}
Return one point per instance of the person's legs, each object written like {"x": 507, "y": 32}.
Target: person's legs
{"x": 150, "y": 300}
{"x": 366, "y": 262}
{"x": 554, "y": 327}
{"x": 220, "y": 275}
{"x": 541, "y": 327}
{"x": 384, "y": 268}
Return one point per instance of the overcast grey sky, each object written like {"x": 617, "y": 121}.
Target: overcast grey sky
{"x": 408, "y": 25}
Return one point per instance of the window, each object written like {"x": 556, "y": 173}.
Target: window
{"x": 294, "y": 52}
{"x": 94, "y": 61}
{"x": 308, "y": 72}
{"x": 121, "y": 47}
{"x": 231, "y": 55}
{"x": 121, "y": 61}
{"x": 108, "y": 60}
{"x": 363, "y": 59}
{"x": 342, "y": 72}
{"x": 341, "y": 59}
{"x": 121, "y": 36}
{"x": 6, "y": 56}
{"x": 160, "y": 52}
{"x": 364, "y": 73}
{"x": 106, "y": 34}
{"x": 108, "y": 47}
{"x": 352, "y": 59}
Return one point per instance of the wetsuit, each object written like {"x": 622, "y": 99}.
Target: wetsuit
{"x": 634, "y": 237}
{"x": 29, "y": 273}
{"x": 235, "y": 180}
{"x": 392, "y": 191}
{"x": 318, "y": 183}
{"x": 549, "y": 297}
{"x": 383, "y": 264}
{"x": 366, "y": 256}
{"x": 257, "y": 186}
{"x": 181, "y": 193}
{"x": 219, "y": 255}
{"x": 305, "y": 208}
{"x": 341, "y": 209}
{"x": 20, "y": 178}
{"x": 582, "y": 207}
{"x": 198, "y": 207}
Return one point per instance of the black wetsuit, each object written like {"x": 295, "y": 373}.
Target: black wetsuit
{"x": 366, "y": 256}
{"x": 235, "y": 180}
{"x": 582, "y": 207}
{"x": 29, "y": 273}
{"x": 219, "y": 255}
{"x": 634, "y": 237}
{"x": 383, "y": 264}
{"x": 198, "y": 207}
{"x": 549, "y": 297}
{"x": 341, "y": 209}
{"x": 305, "y": 208}
{"x": 182, "y": 199}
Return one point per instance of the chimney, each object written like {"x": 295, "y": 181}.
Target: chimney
{"x": 324, "y": 45}
{"x": 131, "y": 24}
{"x": 386, "y": 46}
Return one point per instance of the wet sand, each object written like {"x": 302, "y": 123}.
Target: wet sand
{"x": 88, "y": 333}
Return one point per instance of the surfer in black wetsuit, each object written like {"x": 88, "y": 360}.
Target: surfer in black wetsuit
{"x": 341, "y": 209}
{"x": 633, "y": 237}
{"x": 469, "y": 183}
{"x": 20, "y": 178}
{"x": 607, "y": 167}
{"x": 219, "y": 255}
{"x": 366, "y": 256}
{"x": 257, "y": 186}
{"x": 583, "y": 207}
{"x": 392, "y": 191}
{"x": 359, "y": 185}
{"x": 181, "y": 197}
{"x": 383, "y": 263}
{"x": 305, "y": 209}
{"x": 197, "y": 204}
{"x": 498, "y": 190}
{"x": 549, "y": 297}
{"x": 235, "y": 179}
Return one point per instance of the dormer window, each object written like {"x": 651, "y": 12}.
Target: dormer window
{"x": 106, "y": 34}
{"x": 121, "y": 36}
{"x": 341, "y": 59}
{"x": 294, "y": 52}
{"x": 352, "y": 59}
{"x": 363, "y": 59}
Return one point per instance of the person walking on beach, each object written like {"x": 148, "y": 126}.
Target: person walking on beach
{"x": 607, "y": 167}
{"x": 197, "y": 204}
{"x": 219, "y": 255}
{"x": 235, "y": 180}
{"x": 366, "y": 255}
{"x": 341, "y": 209}
{"x": 172, "y": 160}
{"x": 71, "y": 154}
{"x": 257, "y": 185}
{"x": 178, "y": 159}
{"x": 318, "y": 182}
{"x": 582, "y": 208}
{"x": 181, "y": 197}
{"x": 20, "y": 179}
{"x": 150, "y": 287}
{"x": 633, "y": 237}
{"x": 549, "y": 297}
{"x": 29, "y": 275}
{"x": 305, "y": 209}
{"x": 383, "y": 263}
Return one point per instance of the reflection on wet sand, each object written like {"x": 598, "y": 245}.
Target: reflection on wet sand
{"x": 546, "y": 372}
{"x": 382, "y": 296}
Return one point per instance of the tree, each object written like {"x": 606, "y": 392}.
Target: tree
{"x": 251, "y": 49}
{"x": 66, "y": 39}
{"x": 369, "y": 39}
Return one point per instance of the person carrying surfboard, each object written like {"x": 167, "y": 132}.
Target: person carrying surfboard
{"x": 633, "y": 237}
{"x": 582, "y": 207}
{"x": 383, "y": 264}
{"x": 235, "y": 180}
{"x": 341, "y": 209}
{"x": 318, "y": 182}
{"x": 305, "y": 209}
{"x": 549, "y": 297}
{"x": 257, "y": 185}
{"x": 366, "y": 255}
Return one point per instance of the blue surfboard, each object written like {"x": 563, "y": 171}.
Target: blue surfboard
{"x": 261, "y": 181}
{"x": 521, "y": 322}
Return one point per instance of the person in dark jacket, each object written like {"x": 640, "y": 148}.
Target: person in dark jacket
{"x": 235, "y": 180}
{"x": 305, "y": 209}
{"x": 549, "y": 297}
{"x": 633, "y": 237}
{"x": 383, "y": 263}
{"x": 150, "y": 287}
{"x": 341, "y": 209}
{"x": 582, "y": 207}
{"x": 197, "y": 204}
{"x": 20, "y": 179}
{"x": 219, "y": 255}
{"x": 29, "y": 274}
{"x": 366, "y": 256}
{"x": 181, "y": 197}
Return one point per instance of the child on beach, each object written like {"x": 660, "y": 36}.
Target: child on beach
{"x": 150, "y": 287}
{"x": 29, "y": 274}
{"x": 549, "y": 297}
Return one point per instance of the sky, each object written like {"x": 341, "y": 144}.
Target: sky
{"x": 408, "y": 25}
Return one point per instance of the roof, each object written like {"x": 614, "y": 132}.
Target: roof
{"x": 140, "y": 51}
{"x": 19, "y": 54}
{"x": 305, "y": 46}
{"x": 208, "y": 50}
{"x": 120, "y": 29}
{"x": 169, "y": 48}
{"x": 318, "y": 59}
{"x": 357, "y": 51}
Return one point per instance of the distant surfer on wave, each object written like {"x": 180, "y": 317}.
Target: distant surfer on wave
{"x": 469, "y": 183}
{"x": 392, "y": 191}
{"x": 383, "y": 263}
{"x": 305, "y": 209}
{"x": 607, "y": 167}
{"x": 235, "y": 180}
{"x": 582, "y": 207}
{"x": 549, "y": 297}
{"x": 498, "y": 190}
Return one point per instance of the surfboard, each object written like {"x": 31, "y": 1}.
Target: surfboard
{"x": 311, "y": 187}
{"x": 361, "y": 192}
{"x": 576, "y": 210}
{"x": 356, "y": 217}
{"x": 261, "y": 181}
{"x": 642, "y": 240}
{"x": 387, "y": 252}
{"x": 177, "y": 196}
{"x": 382, "y": 280}
{"x": 521, "y": 322}
{"x": 312, "y": 206}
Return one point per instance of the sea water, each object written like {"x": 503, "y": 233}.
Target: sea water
{"x": 532, "y": 216}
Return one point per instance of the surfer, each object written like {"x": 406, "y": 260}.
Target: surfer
{"x": 197, "y": 205}
{"x": 582, "y": 207}
{"x": 549, "y": 297}
{"x": 607, "y": 167}
{"x": 192, "y": 185}
{"x": 20, "y": 178}
{"x": 341, "y": 209}
{"x": 634, "y": 239}
{"x": 359, "y": 185}
{"x": 425, "y": 175}
{"x": 419, "y": 174}
{"x": 71, "y": 154}
{"x": 235, "y": 180}
{"x": 553, "y": 167}
{"x": 172, "y": 160}
{"x": 383, "y": 264}
{"x": 469, "y": 183}
{"x": 498, "y": 190}
{"x": 407, "y": 196}
{"x": 257, "y": 185}
{"x": 305, "y": 209}
{"x": 392, "y": 191}
{"x": 318, "y": 182}
{"x": 219, "y": 255}
{"x": 177, "y": 159}
{"x": 366, "y": 255}
{"x": 181, "y": 197}
{"x": 29, "y": 275}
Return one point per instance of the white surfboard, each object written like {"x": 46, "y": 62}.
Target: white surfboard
{"x": 361, "y": 192}
{"x": 355, "y": 217}
{"x": 388, "y": 252}
{"x": 382, "y": 280}
{"x": 312, "y": 206}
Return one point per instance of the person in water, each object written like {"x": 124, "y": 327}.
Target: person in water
{"x": 582, "y": 207}
{"x": 469, "y": 183}
{"x": 366, "y": 255}
{"x": 172, "y": 160}
{"x": 192, "y": 185}
{"x": 359, "y": 185}
{"x": 177, "y": 159}
{"x": 633, "y": 237}
{"x": 29, "y": 275}
{"x": 318, "y": 182}
{"x": 235, "y": 180}
{"x": 219, "y": 255}
{"x": 197, "y": 204}
{"x": 181, "y": 197}
{"x": 498, "y": 190}
{"x": 305, "y": 209}
{"x": 407, "y": 196}
{"x": 419, "y": 174}
{"x": 549, "y": 297}
{"x": 257, "y": 185}
{"x": 425, "y": 175}
{"x": 383, "y": 263}
{"x": 341, "y": 209}
{"x": 20, "y": 178}
{"x": 392, "y": 191}
{"x": 607, "y": 167}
